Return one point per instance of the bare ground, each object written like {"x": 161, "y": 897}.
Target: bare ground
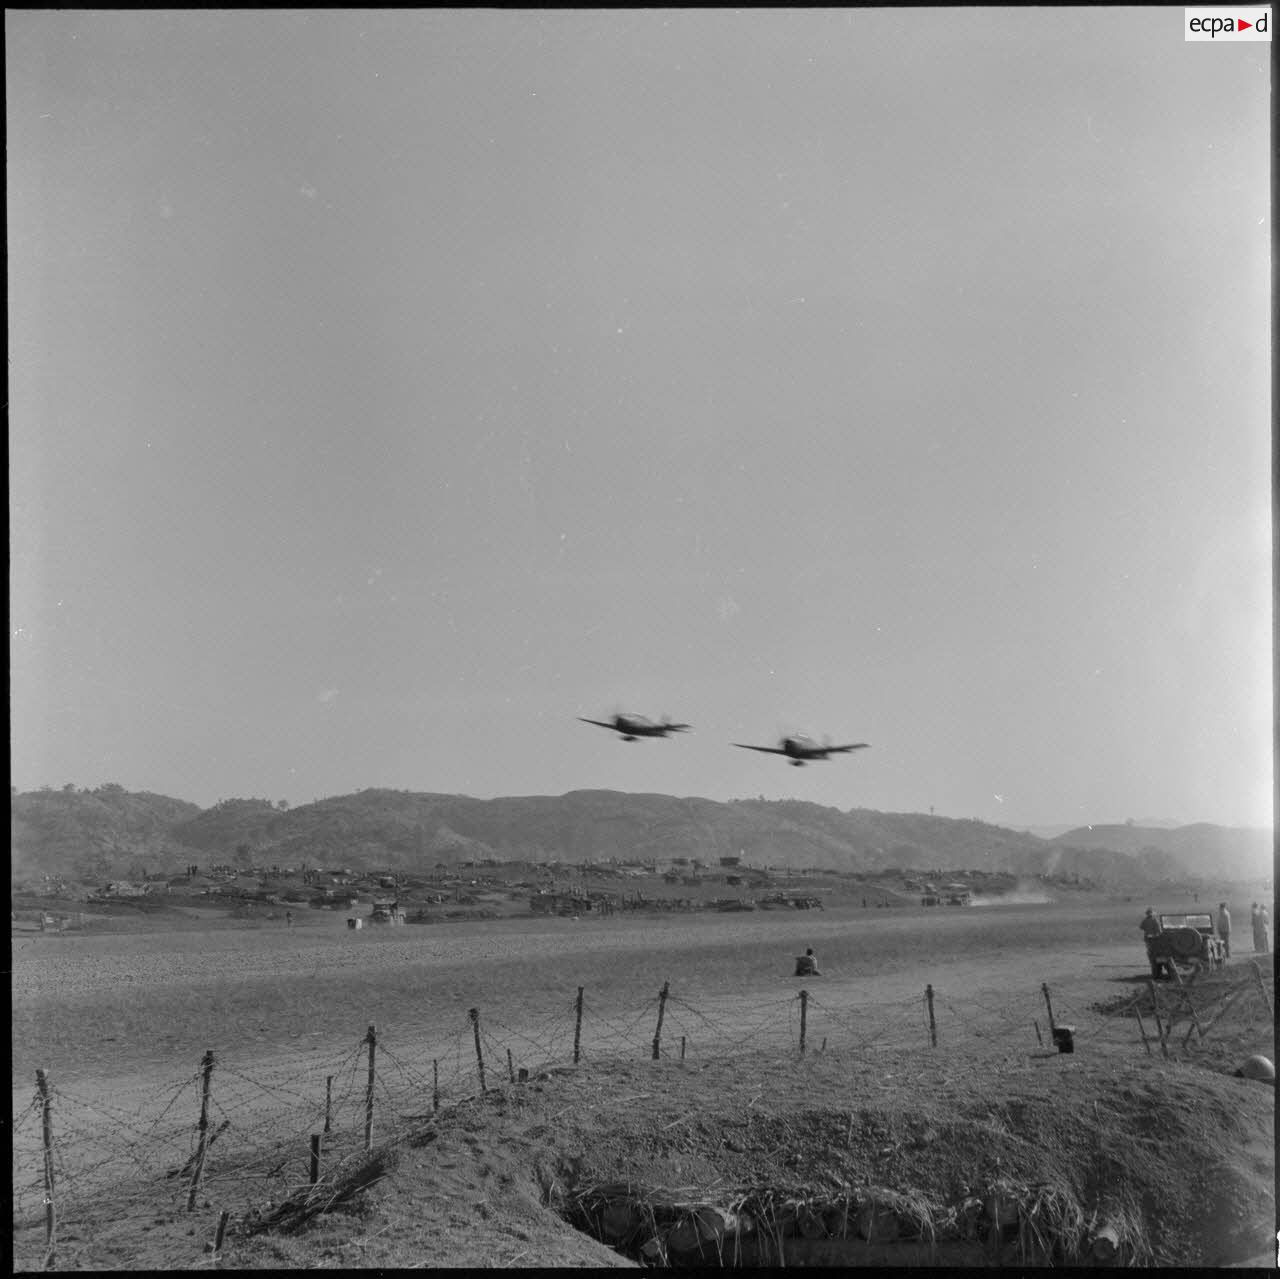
{"x": 1178, "y": 1148}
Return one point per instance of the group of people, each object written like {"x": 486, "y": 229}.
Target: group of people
{"x": 1261, "y": 920}
{"x": 1259, "y": 917}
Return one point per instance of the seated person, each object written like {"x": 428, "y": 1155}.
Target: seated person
{"x": 807, "y": 964}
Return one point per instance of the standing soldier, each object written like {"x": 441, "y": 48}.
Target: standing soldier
{"x": 1224, "y": 928}
{"x": 1150, "y": 926}
{"x": 1264, "y": 929}
{"x": 1253, "y": 923}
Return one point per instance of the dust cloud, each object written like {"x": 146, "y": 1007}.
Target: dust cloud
{"x": 1023, "y": 894}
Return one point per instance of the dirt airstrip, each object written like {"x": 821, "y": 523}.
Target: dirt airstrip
{"x": 1176, "y": 1147}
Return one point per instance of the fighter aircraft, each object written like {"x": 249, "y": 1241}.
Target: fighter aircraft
{"x": 799, "y": 749}
{"x": 633, "y": 726}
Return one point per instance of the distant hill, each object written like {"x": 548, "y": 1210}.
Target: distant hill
{"x": 109, "y": 833}
{"x": 1225, "y": 853}
{"x": 95, "y": 835}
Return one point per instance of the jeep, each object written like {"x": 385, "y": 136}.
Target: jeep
{"x": 1185, "y": 940}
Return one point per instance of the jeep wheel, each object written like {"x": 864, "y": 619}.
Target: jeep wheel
{"x": 1185, "y": 943}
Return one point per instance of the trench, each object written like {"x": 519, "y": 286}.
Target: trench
{"x": 765, "y": 1227}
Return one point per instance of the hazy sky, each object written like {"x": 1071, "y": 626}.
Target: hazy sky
{"x": 390, "y": 388}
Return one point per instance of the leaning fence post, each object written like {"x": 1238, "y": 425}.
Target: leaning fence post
{"x": 46, "y": 1133}
{"x": 218, "y": 1235}
{"x": 1039, "y": 1036}
{"x": 371, "y": 1038}
{"x": 1155, "y": 1008}
{"x": 804, "y": 1017}
{"x": 1188, "y": 1003}
{"x": 933, "y": 1025}
{"x": 662, "y": 1008}
{"x": 1044, "y": 986}
{"x": 474, "y": 1014}
{"x": 577, "y": 1027}
{"x": 1262, "y": 986}
{"x": 1142, "y": 1030}
{"x": 206, "y": 1067}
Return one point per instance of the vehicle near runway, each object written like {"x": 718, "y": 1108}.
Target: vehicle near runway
{"x": 1185, "y": 940}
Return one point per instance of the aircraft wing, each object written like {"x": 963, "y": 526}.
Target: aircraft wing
{"x": 677, "y": 728}
{"x": 599, "y": 722}
{"x": 856, "y": 746}
{"x": 768, "y": 750}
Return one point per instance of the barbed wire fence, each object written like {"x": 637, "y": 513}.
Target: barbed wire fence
{"x": 237, "y": 1137}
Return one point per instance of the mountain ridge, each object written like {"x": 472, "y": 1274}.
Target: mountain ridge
{"x": 92, "y": 836}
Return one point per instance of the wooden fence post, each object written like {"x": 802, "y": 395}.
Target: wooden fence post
{"x": 46, "y": 1136}
{"x": 804, "y": 1017}
{"x": 206, "y": 1067}
{"x": 1044, "y": 986}
{"x": 435, "y": 1084}
{"x": 662, "y": 1008}
{"x": 1142, "y": 1030}
{"x": 681, "y": 1047}
{"x": 474, "y": 1014}
{"x": 218, "y": 1235}
{"x": 1262, "y": 986}
{"x": 1187, "y": 1003}
{"x": 371, "y": 1038}
{"x": 315, "y": 1157}
{"x": 577, "y": 1027}
{"x": 328, "y": 1100}
{"x": 1155, "y": 1006}
{"x": 511, "y": 1066}
{"x": 933, "y": 1025}
{"x": 1039, "y": 1036}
